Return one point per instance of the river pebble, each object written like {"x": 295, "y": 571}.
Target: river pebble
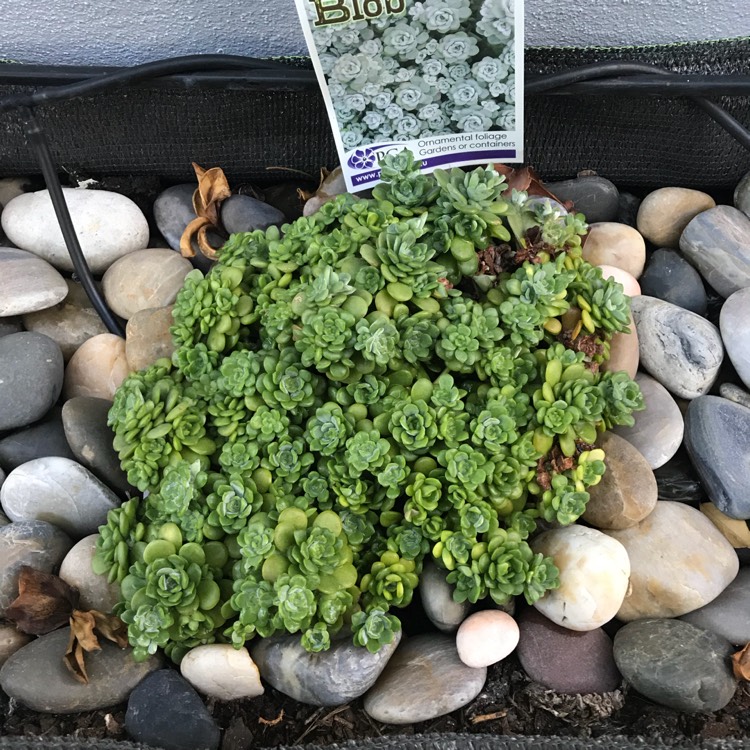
{"x": 735, "y": 393}
{"x": 676, "y": 664}
{"x": 36, "y": 677}
{"x": 27, "y": 283}
{"x": 679, "y": 561}
{"x": 108, "y": 226}
{"x": 98, "y": 368}
{"x": 45, "y": 438}
{"x": 664, "y": 213}
{"x": 486, "y": 637}
{"x": 594, "y": 570}
{"x": 436, "y": 595}
{"x": 59, "y": 491}
{"x": 147, "y": 337}
{"x": 595, "y": 197}
{"x": 96, "y": 592}
{"x": 219, "y": 670}
{"x": 424, "y": 679}
{"x": 328, "y": 678}
{"x": 243, "y": 213}
{"x": 682, "y": 350}
{"x": 669, "y": 277}
{"x": 734, "y": 324}
{"x": 613, "y": 244}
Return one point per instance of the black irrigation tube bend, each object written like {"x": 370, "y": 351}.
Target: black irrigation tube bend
{"x": 228, "y": 71}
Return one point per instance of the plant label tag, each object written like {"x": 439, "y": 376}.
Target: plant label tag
{"x": 442, "y": 78}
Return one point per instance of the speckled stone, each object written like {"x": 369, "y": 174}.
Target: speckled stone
{"x": 679, "y": 561}
{"x": 734, "y": 324}
{"x": 717, "y": 436}
{"x": 613, "y": 244}
{"x": 682, "y": 350}
{"x": 37, "y": 678}
{"x": 329, "y": 678}
{"x": 27, "y": 283}
{"x": 658, "y": 430}
{"x": 676, "y": 664}
{"x": 717, "y": 243}
{"x": 664, "y": 213}
{"x": 627, "y": 492}
{"x": 423, "y": 680}
{"x": 669, "y": 277}
{"x": 565, "y": 660}
{"x": 594, "y": 570}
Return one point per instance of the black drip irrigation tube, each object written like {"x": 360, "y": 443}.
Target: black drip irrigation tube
{"x": 228, "y": 71}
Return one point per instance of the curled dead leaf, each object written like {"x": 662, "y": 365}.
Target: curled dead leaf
{"x": 44, "y": 602}
{"x": 525, "y": 178}
{"x": 84, "y": 627}
{"x": 741, "y": 663}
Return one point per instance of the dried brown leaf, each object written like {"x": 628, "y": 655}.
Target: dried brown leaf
{"x": 525, "y": 178}
{"x": 84, "y": 627}
{"x": 186, "y": 241}
{"x": 44, "y": 602}
{"x": 741, "y": 663}
{"x": 213, "y": 189}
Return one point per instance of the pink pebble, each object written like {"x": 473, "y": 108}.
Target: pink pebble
{"x": 486, "y": 637}
{"x": 631, "y": 287}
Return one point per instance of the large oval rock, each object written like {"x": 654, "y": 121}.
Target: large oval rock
{"x": 108, "y": 226}
{"x": 243, "y": 213}
{"x": 98, "y": 368}
{"x": 69, "y": 323}
{"x": 595, "y": 197}
{"x": 682, "y": 350}
{"x": 424, "y": 679}
{"x": 31, "y": 377}
{"x": 59, "y": 491}
{"x": 90, "y": 437}
{"x": 669, "y": 277}
{"x": 221, "y": 671}
{"x": 27, "y": 283}
{"x": 679, "y": 561}
{"x": 613, "y": 244}
{"x": 717, "y": 436}
{"x": 144, "y": 279}
{"x": 565, "y": 660}
{"x": 329, "y": 678}
{"x": 664, "y": 214}
{"x": 36, "y": 676}
{"x": 35, "y": 543}
{"x": 95, "y": 590}
{"x": 658, "y": 430}
{"x": 627, "y": 492}
{"x": 147, "y": 337}
{"x": 676, "y": 664}
{"x": 436, "y": 595}
{"x": 594, "y": 572}
{"x": 735, "y": 330}
{"x": 717, "y": 243}
{"x": 45, "y": 438}
{"x": 727, "y": 614}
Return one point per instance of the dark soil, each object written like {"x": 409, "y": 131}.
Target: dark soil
{"x": 509, "y": 704}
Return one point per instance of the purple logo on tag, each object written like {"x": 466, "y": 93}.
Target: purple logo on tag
{"x": 363, "y": 158}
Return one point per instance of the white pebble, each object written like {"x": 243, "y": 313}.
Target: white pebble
{"x": 486, "y": 638}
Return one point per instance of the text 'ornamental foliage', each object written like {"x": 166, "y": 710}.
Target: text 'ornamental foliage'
{"x": 411, "y": 375}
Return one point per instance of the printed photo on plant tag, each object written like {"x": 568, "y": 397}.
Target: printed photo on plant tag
{"x": 442, "y": 78}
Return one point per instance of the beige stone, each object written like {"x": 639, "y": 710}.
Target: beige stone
{"x": 486, "y": 637}
{"x": 144, "y": 279}
{"x": 222, "y": 671}
{"x": 594, "y": 570}
{"x": 69, "y": 323}
{"x": 679, "y": 562}
{"x": 624, "y": 353}
{"x": 618, "y": 245}
{"x": 147, "y": 337}
{"x": 627, "y": 492}
{"x": 664, "y": 214}
{"x": 11, "y": 640}
{"x": 97, "y": 368}
{"x": 735, "y": 531}
{"x": 95, "y": 590}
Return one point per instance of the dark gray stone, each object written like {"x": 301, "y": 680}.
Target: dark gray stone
{"x": 727, "y": 615}
{"x": 593, "y": 196}
{"x": 682, "y": 350}
{"x": 627, "y": 210}
{"x": 423, "y": 680}
{"x": 669, "y": 277}
{"x": 677, "y": 480}
{"x": 742, "y": 195}
{"x": 90, "y": 438}
{"x": 173, "y": 211}
{"x": 241, "y": 213}
{"x": 735, "y": 393}
{"x": 734, "y": 323}
{"x": 31, "y": 378}
{"x": 329, "y": 678}
{"x": 35, "y": 543}
{"x": 676, "y": 664}
{"x": 10, "y": 325}
{"x": 563, "y": 660}
{"x": 45, "y": 438}
{"x": 436, "y": 594}
{"x": 36, "y": 676}
{"x": 717, "y": 243}
{"x": 164, "y": 711}
{"x": 717, "y": 436}
{"x": 286, "y": 198}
